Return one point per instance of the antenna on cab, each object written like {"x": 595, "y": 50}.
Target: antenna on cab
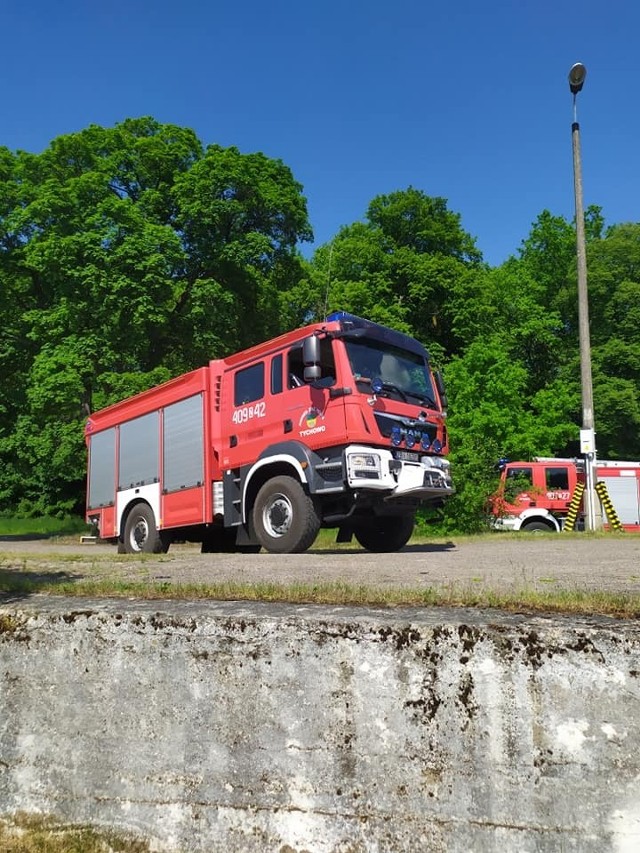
{"x": 326, "y": 293}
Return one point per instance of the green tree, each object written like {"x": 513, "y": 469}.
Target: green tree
{"x": 495, "y": 411}
{"x": 127, "y": 255}
{"x": 549, "y": 252}
{"x": 614, "y": 308}
{"x": 240, "y": 217}
{"x": 402, "y": 267}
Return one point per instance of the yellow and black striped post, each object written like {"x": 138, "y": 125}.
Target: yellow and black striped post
{"x": 605, "y": 500}
{"x": 574, "y": 506}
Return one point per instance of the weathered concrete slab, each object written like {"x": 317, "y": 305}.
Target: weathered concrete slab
{"x": 247, "y": 727}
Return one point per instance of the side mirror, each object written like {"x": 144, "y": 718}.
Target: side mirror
{"x": 311, "y": 358}
{"x": 440, "y": 385}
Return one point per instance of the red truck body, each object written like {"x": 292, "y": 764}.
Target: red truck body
{"x": 537, "y": 495}
{"x": 338, "y": 424}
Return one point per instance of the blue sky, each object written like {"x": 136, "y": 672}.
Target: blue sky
{"x": 465, "y": 100}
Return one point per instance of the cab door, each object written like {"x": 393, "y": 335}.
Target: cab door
{"x": 268, "y": 402}
{"x": 518, "y": 489}
{"x": 559, "y": 485}
{"x": 315, "y": 412}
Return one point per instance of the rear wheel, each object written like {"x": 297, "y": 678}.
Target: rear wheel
{"x": 141, "y": 536}
{"x": 284, "y": 517}
{"x": 386, "y": 533}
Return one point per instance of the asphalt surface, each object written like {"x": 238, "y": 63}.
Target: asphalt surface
{"x": 502, "y": 562}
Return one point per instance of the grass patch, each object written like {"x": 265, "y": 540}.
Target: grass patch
{"x": 22, "y": 833}
{"x": 42, "y": 527}
{"x": 520, "y": 600}
{"x": 9, "y": 624}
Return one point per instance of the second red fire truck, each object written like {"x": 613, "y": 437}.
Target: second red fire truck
{"x": 339, "y": 424}
{"x": 544, "y": 494}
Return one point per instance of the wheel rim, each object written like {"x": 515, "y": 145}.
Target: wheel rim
{"x": 277, "y": 516}
{"x": 139, "y": 534}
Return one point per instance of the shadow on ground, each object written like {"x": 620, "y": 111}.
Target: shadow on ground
{"x": 25, "y": 537}
{"x": 16, "y": 584}
{"x": 427, "y": 548}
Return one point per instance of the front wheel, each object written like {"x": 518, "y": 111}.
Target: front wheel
{"x": 537, "y": 527}
{"x": 383, "y": 534}
{"x": 285, "y": 520}
{"x": 141, "y": 535}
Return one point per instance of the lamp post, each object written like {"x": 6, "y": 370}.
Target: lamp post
{"x": 593, "y": 515}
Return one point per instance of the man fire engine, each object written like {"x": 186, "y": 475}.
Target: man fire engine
{"x": 338, "y": 424}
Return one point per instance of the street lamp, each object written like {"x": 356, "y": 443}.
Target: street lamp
{"x": 593, "y": 516}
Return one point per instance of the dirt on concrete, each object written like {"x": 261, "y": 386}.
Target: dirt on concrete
{"x": 502, "y": 562}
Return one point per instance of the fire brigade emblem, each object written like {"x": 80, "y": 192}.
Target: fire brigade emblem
{"x": 308, "y": 422}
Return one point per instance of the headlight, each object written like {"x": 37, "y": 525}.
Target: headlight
{"x": 364, "y": 465}
{"x": 437, "y": 462}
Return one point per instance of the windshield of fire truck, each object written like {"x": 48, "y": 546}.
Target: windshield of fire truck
{"x": 405, "y": 375}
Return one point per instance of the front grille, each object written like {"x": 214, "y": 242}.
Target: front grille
{"x": 387, "y": 422}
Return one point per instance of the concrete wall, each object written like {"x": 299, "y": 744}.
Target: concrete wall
{"x": 211, "y": 726}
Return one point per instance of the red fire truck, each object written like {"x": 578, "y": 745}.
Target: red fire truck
{"x": 338, "y": 424}
{"x": 538, "y": 495}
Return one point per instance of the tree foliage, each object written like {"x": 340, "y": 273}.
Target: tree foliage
{"x": 402, "y": 267}
{"x": 127, "y": 255}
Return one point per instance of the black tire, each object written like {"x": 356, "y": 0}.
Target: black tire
{"x": 537, "y": 527}
{"x": 284, "y": 517}
{"x": 386, "y": 533}
{"x": 141, "y": 535}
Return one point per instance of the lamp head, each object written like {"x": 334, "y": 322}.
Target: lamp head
{"x": 577, "y": 76}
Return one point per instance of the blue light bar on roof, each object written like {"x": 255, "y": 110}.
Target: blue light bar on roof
{"x": 375, "y": 330}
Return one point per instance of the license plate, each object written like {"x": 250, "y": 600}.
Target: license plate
{"x": 407, "y": 456}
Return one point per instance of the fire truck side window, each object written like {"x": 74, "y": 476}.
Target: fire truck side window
{"x": 276, "y": 374}
{"x": 295, "y": 365}
{"x": 525, "y": 475}
{"x": 249, "y": 384}
{"x": 327, "y": 362}
{"x": 518, "y": 480}
{"x": 295, "y": 368}
{"x": 557, "y": 479}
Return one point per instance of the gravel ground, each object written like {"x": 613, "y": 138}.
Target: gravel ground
{"x": 501, "y": 562}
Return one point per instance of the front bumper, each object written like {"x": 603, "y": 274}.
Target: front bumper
{"x": 376, "y": 469}
{"x": 505, "y": 523}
